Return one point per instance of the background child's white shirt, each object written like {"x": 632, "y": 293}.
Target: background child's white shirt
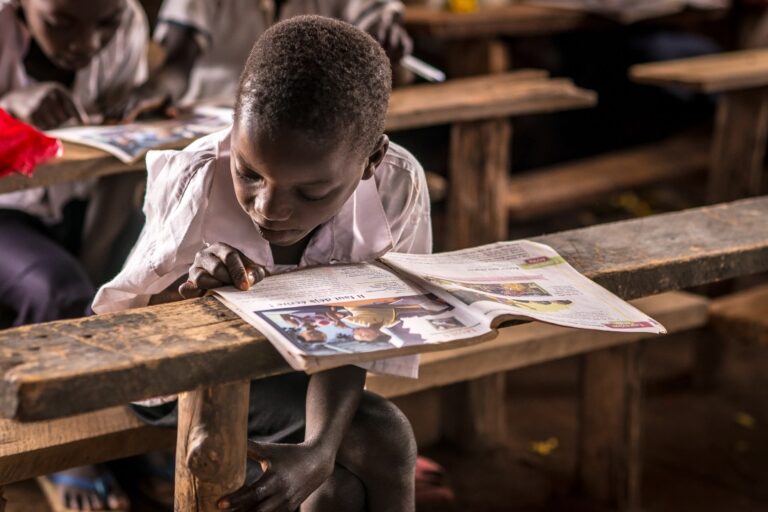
{"x": 227, "y": 30}
{"x": 190, "y": 201}
{"x": 121, "y": 65}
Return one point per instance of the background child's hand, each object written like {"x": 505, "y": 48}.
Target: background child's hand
{"x": 291, "y": 473}
{"x": 219, "y": 265}
{"x": 391, "y": 35}
{"x": 45, "y": 105}
{"x": 152, "y": 96}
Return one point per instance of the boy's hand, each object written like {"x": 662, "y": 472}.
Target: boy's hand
{"x": 220, "y": 265}
{"x": 291, "y": 473}
{"x": 152, "y": 96}
{"x": 45, "y": 105}
{"x": 391, "y": 35}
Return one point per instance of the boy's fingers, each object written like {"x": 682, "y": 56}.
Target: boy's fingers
{"x": 237, "y": 270}
{"x": 203, "y": 280}
{"x": 247, "y": 497}
{"x": 189, "y": 290}
{"x": 213, "y": 266}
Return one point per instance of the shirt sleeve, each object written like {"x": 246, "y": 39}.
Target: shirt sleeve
{"x": 195, "y": 14}
{"x": 177, "y": 185}
{"x": 365, "y": 13}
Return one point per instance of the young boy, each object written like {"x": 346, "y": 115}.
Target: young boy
{"x": 59, "y": 61}
{"x": 304, "y": 177}
{"x": 207, "y": 42}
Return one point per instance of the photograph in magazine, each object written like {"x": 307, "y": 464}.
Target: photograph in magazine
{"x": 364, "y": 325}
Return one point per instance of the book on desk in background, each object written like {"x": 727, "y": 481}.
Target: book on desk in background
{"x": 130, "y": 142}
{"x": 324, "y": 317}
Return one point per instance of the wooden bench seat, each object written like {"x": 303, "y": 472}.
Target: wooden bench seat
{"x": 567, "y": 186}
{"x": 741, "y": 129}
{"x": 742, "y": 315}
{"x": 201, "y": 349}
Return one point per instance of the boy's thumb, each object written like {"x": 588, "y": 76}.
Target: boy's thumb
{"x": 259, "y": 452}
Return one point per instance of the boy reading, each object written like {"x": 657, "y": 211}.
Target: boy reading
{"x": 60, "y": 62}
{"x": 304, "y": 177}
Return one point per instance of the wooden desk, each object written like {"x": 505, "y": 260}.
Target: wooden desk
{"x": 68, "y": 367}
{"x": 741, "y": 128}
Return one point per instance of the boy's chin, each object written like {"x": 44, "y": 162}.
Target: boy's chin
{"x": 282, "y": 238}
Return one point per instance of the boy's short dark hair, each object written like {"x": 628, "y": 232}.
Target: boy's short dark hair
{"x": 320, "y": 76}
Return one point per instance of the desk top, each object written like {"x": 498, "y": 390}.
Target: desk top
{"x": 721, "y": 72}
{"x": 520, "y": 20}
{"x": 68, "y": 367}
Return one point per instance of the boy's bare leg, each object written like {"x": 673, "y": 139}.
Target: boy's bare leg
{"x": 380, "y": 450}
{"x": 342, "y": 492}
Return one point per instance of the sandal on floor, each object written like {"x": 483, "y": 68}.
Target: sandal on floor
{"x": 101, "y": 488}
{"x": 433, "y": 491}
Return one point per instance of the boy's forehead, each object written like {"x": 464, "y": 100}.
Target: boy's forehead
{"x": 291, "y": 149}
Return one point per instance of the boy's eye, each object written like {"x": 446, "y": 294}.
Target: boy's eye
{"x": 248, "y": 176}
{"x": 56, "y": 24}
{"x": 313, "y": 197}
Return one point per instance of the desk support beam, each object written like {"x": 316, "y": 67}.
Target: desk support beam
{"x": 211, "y": 446}
{"x": 738, "y": 151}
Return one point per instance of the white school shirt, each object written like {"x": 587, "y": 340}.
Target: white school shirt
{"x": 227, "y": 29}
{"x": 191, "y": 201}
{"x": 117, "y": 68}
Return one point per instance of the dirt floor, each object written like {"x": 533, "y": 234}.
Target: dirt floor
{"x": 705, "y": 450}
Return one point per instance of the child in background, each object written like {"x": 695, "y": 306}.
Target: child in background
{"x": 304, "y": 177}
{"x": 206, "y": 43}
{"x": 60, "y": 61}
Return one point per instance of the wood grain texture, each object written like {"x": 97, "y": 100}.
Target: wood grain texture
{"x": 573, "y": 184}
{"x": 728, "y": 71}
{"x": 742, "y": 316}
{"x": 610, "y": 426}
{"x": 520, "y": 20}
{"x": 474, "y": 416}
{"x": 74, "y": 366}
{"x": 485, "y": 97}
{"x": 32, "y": 449}
{"x": 738, "y": 151}
{"x": 478, "y": 164}
{"x": 211, "y": 445}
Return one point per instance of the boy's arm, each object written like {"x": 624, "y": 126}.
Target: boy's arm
{"x": 293, "y": 472}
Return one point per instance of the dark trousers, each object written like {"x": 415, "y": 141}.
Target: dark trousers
{"x": 40, "y": 279}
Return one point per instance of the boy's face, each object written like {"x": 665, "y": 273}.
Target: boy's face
{"x": 72, "y": 32}
{"x": 289, "y": 186}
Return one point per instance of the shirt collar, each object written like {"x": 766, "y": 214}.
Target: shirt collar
{"x": 359, "y": 232}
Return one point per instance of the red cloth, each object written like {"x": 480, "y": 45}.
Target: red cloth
{"x": 23, "y": 147}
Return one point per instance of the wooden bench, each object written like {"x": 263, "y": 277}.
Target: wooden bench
{"x": 741, "y": 79}
{"x": 477, "y": 110}
{"x": 742, "y": 315}
{"x": 570, "y": 185}
{"x": 59, "y": 369}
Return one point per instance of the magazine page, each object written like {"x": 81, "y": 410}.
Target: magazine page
{"x": 130, "y": 142}
{"x": 334, "y": 311}
{"x": 523, "y": 279}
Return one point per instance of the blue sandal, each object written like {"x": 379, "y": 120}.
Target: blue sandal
{"x": 102, "y": 486}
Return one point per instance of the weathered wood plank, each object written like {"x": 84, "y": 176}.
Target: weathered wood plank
{"x": 521, "y": 20}
{"x": 738, "y": 151}
{"x": 211, "y": 445}
{"x": 742, "y": 315}
{"x": 573, "y": 184}
{"x": 69, "y": 367}
{"x": 609, "y": 461}
{"x": 728, "y": 71}
{"x": 486, "y": 97}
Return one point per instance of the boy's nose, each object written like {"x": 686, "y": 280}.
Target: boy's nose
{"x": 89, "y": 43}
{"x": 273, "y": 206}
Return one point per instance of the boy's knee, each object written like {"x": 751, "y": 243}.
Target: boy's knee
{"x": 390, "y": 432}
{"x": 342, "y": 492}
{"x": 53, "y": 292}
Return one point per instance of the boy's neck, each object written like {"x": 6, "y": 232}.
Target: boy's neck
{"x": 40, "y": 67}
{"x": 290, "y": 254}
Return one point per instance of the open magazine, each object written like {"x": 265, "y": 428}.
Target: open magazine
{"x": 130, "y": 142}
{"x": 325, "y": 317}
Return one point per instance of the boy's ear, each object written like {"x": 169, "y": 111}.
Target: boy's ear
{"x": 376, "y": 156}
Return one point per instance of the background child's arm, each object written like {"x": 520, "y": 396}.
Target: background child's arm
{"x": 293, "y": 472}
{"x": 168, "y": 83}
{"x": 382, "y": 19}
{"x": 44, "y": 105}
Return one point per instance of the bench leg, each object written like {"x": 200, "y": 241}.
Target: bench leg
{"x": 474, "y": 413}
{"x": 211, "y": 445}
{"x": 478, "y": 167}
{"x": 610, "y": 427}
{"x": 739, "y": 145}
{"x": 2, "y": 500}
